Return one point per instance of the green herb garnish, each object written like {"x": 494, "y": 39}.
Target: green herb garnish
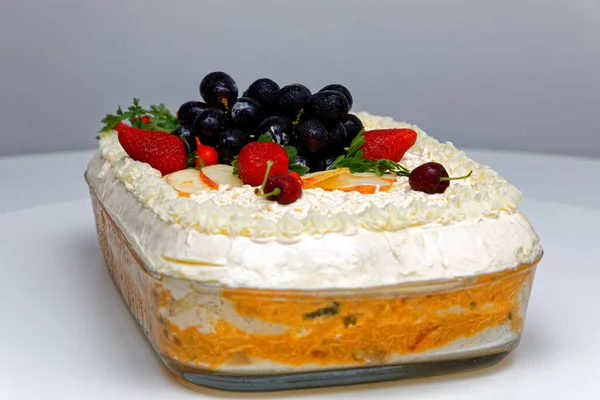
{"x": 160, "y": 118}
{"x": 234, "y": 165}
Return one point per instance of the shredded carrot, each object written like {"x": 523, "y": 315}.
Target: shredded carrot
{"x": 348, "y": 331}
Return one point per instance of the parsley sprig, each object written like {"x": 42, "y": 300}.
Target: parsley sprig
{"x": 354, "y": 161}
{"x": 161, "y": 118}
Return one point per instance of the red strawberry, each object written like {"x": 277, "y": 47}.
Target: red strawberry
{"x": 161, "y": 150}
{"x": 389, "y": 144}
{"x": 252, "y": 162}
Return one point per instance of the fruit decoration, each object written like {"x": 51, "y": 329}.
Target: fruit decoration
{"x": 161, "y": 150}
{"x": 216, "y": 175}
{"x": 292, "y": 100}
{"x": 246, "y": 114}
{"x": 266, "y": 92}
{"x": 295, "y": 129}
{"x": 329, "y": 106}
{"x": 229, "y": 144}
{"x": 296, "y": 176}
{"x": 209, "y": 123}
{"x": 283, "y": 188}
{"x": 281, "y": 129}
{"x": 431, "y": 178}
{"x": 219, "y": 90}
{"x": 341, "y": 89}
{"x": 189, "y": 111}
{"x": 205, "y": 155}
{"x": 251, "y": 164}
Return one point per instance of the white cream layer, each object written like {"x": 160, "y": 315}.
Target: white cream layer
{"x": 329, "y": 239}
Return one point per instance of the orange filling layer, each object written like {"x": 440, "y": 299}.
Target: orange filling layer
{"x": 347, "y": 331}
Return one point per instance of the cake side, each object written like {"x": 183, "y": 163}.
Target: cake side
{"x": 326, "y": 239}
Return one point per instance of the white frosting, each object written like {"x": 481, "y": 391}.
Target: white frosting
{"x": 326, "y": 239}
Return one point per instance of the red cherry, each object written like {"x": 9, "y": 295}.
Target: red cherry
{"x": 431, "y": 178}
{"x": 283, "y": 188}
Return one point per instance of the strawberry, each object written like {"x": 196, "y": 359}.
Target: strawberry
{"x": 252, "y": 162}
{"x": 163, "y": 151}
{"x": 389, "y": 144}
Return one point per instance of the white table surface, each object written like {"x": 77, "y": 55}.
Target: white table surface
{"x": 67, "y": 334}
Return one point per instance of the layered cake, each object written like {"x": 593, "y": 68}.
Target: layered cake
{"x": 276, "y": 240}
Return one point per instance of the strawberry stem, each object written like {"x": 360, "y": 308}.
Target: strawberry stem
{"x": 456, "y": 178}
{"x": 201, "y": 161}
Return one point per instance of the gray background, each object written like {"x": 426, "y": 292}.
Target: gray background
{"x": 503, "y": 74}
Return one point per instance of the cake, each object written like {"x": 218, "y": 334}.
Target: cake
{"x": 328, "y": 262}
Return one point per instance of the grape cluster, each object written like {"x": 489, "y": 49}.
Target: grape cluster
{"x": 318, "y": 125}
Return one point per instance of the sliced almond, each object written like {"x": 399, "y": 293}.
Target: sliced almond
{"x": 186, "y": 182}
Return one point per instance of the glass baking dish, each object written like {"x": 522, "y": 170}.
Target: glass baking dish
{"x": 262, "y": 340}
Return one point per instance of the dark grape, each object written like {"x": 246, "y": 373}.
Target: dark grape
{"x": 188, "y": 135}
{"x": 229, "y": 143}
{"x": 336, "y": 138}
{"x": 301, "y": 159}
{"x": 342, "y": 89}
{"x": 311, "y": 135}
{"x": 328, "y": 106}
{"x": 292, "y": 99}
{"x": 219, "y": 90}
{"x": 209, "y": 124}
{"x": 353, "y": 126}
{"x": 246, "y": 114}
{"x": 321, "y": 163}
{"x": 189, "y": 110}
{"x": 280, "y": 128}
{"x": 265, "y": 91}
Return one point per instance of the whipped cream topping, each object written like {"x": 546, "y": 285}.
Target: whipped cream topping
{"x": 326, "y": 239}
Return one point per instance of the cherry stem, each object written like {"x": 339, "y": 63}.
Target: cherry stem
{"x": 269, "y": 165}
{"x": 275, "y": 192}
{"x": 201, "y": 161}
{"x": 456, "y": 178}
